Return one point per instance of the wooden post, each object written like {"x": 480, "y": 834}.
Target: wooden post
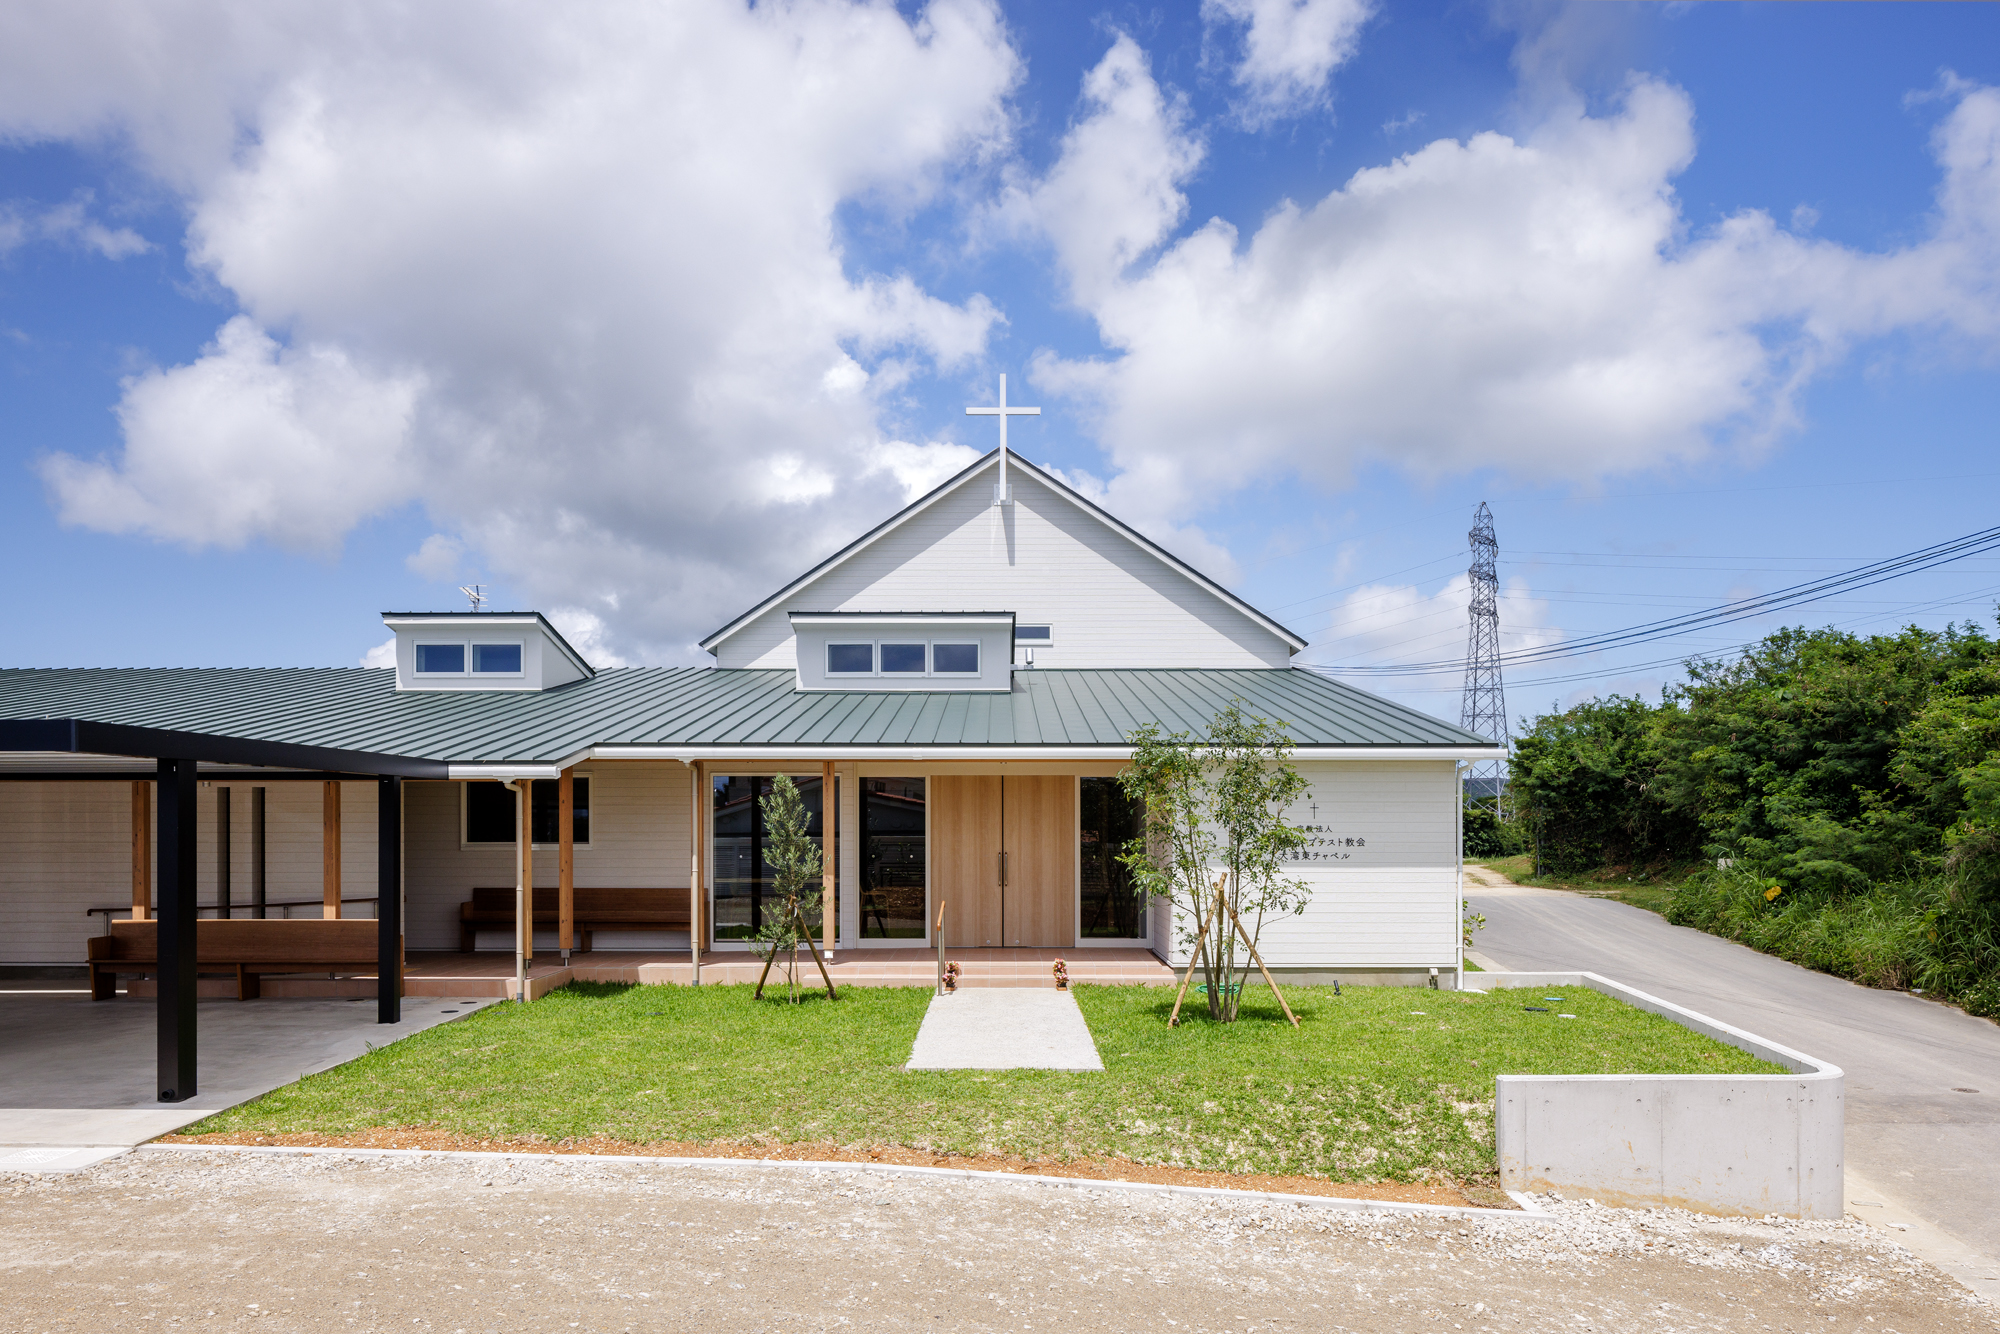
{"x": 566, "y": 857}
{"x": 525, "y": 840}
{"x": 829, "y": 870}
{"x": 329, "y": 868}
{"x": 697, "y": 866}
{"x": 142, "y": 851}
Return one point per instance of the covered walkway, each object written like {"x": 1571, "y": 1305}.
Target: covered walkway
{"x": 77, "y": 1076}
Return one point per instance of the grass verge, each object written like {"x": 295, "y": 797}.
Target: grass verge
{"x": 1651, "y": 888}
{"x": 1381, "y": 1083}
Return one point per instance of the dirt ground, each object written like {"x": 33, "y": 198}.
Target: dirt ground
{"x": 168, "y": 1238}
{"x": 1485, "y": 1197}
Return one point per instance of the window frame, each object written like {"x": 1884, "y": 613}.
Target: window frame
{"x": 874, "y": 657}
{"x": 472, "y": 658}
{"x": 972, "y": 644}
{"x": 882, "y": 657}
{"x": 1043, "y": 642}
{"x": 466, "y": 844}
{"x": 464, "y": 657}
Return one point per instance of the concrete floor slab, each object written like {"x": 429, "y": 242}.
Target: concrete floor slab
{"x": 78, "y": 1073}
{"x": 39, "y": 1160}
{"x": 1004, "y": 1028}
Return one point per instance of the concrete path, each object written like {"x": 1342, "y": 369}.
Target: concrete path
{"x": 76, "y": 1075}
{"x": 1004, "y": 1028}
{"x": 1920, "y": 1150}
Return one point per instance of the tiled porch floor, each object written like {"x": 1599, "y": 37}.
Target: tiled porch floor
{"x": 492, "y": 973}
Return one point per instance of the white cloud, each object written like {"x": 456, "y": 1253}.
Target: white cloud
{"x": 437, "y": 559}
{"x": 1533, "y": 304}
{"x": 382, "y": 655}
{"x": 919, "y": 469}
{"x": 68, "y": 224}
{"x": 251, "y": 441}
{"x": 576, "y": 269}
{"x": 1114, "y": 192}
{"x": 1379, "y": 624}
{"x": 1290, "y": 50}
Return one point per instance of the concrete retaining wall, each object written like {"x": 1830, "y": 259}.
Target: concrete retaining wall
{"x": 1724, "y": 1144}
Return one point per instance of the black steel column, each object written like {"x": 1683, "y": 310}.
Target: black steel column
{"x": 175, "y": 900}
{"x": 256, "y": 852}
{"x": 222, "y": 895}
{"x": 389, "y": 900}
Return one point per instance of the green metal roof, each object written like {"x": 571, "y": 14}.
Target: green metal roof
{"x": 359, "y": 709}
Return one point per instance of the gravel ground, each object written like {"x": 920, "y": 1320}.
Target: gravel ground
{"x": 164, "y": 1238}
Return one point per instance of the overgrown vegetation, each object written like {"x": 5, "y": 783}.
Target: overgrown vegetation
{"x": 1827, "y": 797}
{"x": 1381, "y": 1083}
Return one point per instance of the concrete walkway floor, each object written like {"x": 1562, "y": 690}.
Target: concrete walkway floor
{"x": 77, "y": 1075}
{"x": 1004, "y": 1028}
{"x": 1923, "y": 1080}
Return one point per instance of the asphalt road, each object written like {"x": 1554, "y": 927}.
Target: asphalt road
{"x": 1913, "y": 1132}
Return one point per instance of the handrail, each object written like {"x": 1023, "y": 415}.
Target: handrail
{"x": 111, "y": 913}
{"x": 939, "y": 932}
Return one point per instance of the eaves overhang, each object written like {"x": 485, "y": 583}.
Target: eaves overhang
{"x": 84, "y": 736}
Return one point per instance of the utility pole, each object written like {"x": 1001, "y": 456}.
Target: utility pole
{"x": 1484, "y": 710}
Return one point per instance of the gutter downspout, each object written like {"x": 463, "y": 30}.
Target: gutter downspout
{"x": 520, "y": 892}
{"x": 1459, "y": 907}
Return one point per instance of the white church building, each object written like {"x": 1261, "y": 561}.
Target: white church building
{"x": 958, "y": 685}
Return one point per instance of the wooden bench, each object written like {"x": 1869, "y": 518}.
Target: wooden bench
{"x": 492, "y": 909}
{"x": 246, "y": 949}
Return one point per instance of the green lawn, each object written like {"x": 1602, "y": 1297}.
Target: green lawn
{"x": 1365, "y": 1091}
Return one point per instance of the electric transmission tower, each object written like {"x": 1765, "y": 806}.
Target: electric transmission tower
{"x": 1484, "y": 710}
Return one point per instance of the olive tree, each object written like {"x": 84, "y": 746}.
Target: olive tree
{"x": 794, "y": 859}
{"x": 1214, "y": 808}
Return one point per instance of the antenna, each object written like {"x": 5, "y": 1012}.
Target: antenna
{"x": 1484, "y": 710}
{"x": 476, "y": 595}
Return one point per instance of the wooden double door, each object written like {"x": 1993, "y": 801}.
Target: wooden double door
{"x": 1003, "y": 860}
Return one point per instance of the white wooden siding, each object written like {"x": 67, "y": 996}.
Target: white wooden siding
{"x": 1390, "y": 903}
{"x": 67, "y": 847}
{"x": 638, "y": 840}
{"x": 1111, "y": 603}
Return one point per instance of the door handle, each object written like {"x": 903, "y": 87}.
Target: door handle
{"x": 1001, "y": 858}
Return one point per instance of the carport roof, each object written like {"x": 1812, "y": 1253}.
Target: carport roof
{"x": 314, "y": 716}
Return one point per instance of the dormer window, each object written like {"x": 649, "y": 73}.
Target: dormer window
{"x": 911, "y": 651}
{"x": 903, "y": 659}
{"x": 496, "y": 659}
{"x": 955, "y": 659}
{"x": 1034, "y": 636}
{"x": 481, "y": 651}
{"x": 441, "y": 660}
{"x": 850, "y": 659}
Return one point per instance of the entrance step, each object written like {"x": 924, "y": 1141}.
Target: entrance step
{"x": 1004, "y": 1028}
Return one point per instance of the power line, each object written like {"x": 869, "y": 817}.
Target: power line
{"x": 1797, "y": 595}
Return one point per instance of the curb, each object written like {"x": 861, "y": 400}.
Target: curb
{"x": 1529, "y": 1212}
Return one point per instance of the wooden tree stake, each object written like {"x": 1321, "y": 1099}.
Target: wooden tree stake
{"x": 1200, "y": 946}
{"x": 1245, "y": 936}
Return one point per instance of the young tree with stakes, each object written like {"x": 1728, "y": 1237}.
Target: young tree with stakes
{"x": 794, "y": 859}
{"x": 1215, "y": 841}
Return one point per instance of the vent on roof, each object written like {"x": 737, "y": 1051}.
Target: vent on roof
{"x": 481, "y": 651}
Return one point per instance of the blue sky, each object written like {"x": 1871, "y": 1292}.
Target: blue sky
{"x": 302, "y": 320}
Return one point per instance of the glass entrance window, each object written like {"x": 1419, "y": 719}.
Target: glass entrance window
{"x": 742, "y": 876}
{"x": 1113, "y": 908}
{"x": 893, "y": 831}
